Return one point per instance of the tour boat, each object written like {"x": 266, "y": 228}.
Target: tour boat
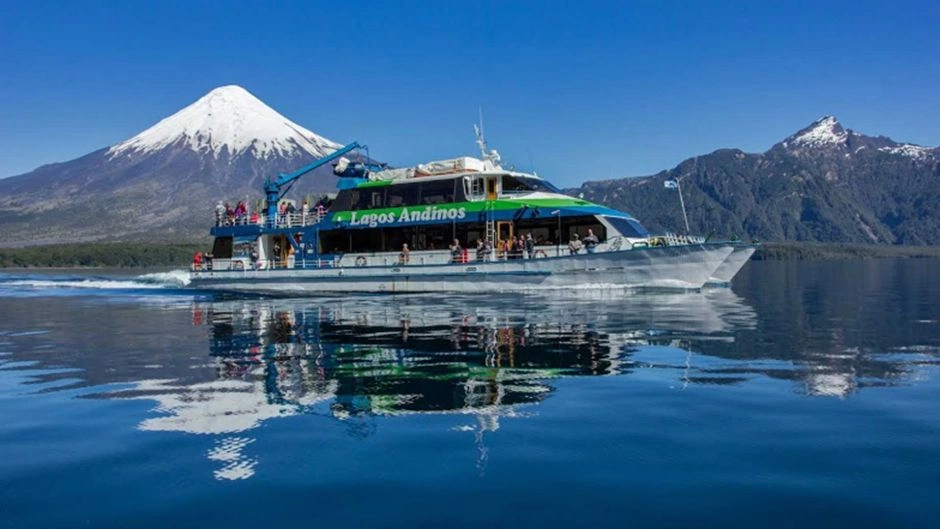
{"x": 456, "y": 217}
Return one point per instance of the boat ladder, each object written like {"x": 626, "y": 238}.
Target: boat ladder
{"x": 490, "y": 227}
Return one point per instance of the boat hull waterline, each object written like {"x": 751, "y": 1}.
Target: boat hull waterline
{"x": 671, "y": 267}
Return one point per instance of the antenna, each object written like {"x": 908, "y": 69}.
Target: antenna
{"x": 491, "y": 156}
{"x": 481, "y": 140}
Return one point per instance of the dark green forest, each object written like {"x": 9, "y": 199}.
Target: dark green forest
{"x": 103, "y": 255}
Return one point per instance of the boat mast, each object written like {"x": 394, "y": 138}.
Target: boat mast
{"x": 481, "y": 140}
{"x": 491, "y": 156}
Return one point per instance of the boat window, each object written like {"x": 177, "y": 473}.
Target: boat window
{"x": 401, "y": 195}
{"x": 345, "y": 199}
{"x": 525, "y": 184}
{"x": 222, "y": 248}
{"x": 365, "y": 199}
{"x": 365, "y": 240}
{"x": 241, "y": 246}
{"x": 398, "y": 195}
{"x": 473, "y": 187}
{"x": 390, "y": 239}
{"x": 440, "y": 192}
{"x": 544, "y": 229}
{"x": 334, "y": 241}
{"x": 628, "y": 227}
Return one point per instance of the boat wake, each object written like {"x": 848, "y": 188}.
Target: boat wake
{"x": 173, "y": 279}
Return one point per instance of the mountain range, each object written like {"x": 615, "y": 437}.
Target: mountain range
{"x": 824, "y": 183}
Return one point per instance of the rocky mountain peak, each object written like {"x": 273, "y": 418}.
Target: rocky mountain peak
{"x": 827, "y": 137}
{"x": 825, "y": 131}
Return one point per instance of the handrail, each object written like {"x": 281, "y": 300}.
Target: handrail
{"x": 286, "y": 220}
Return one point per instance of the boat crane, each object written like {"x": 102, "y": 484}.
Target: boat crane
{"x": 273, "y": 188}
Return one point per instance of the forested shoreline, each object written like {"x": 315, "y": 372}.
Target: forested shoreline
{"x": 99, "y": 255}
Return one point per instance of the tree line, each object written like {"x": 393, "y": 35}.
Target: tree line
{"x": 103, "y": 255}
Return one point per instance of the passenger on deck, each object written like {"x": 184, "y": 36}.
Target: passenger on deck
{"x": 507, "y": 248}
{"x": 219, "y": 213}
{"x": 240, "y": 212}
{"x": 282, "y": 214}
{"x": 456, "y": 252}
{"x": 290, "y": 212}
{"x": 405, "y": 256}
{"x": 483, "y": 249}
{"x": 229, "y": 214}
{"x": 575, "y": 245}
{"x": 529, "y": 246}
{"x": 520, "y": 248}
{"x": 590, "y": 241}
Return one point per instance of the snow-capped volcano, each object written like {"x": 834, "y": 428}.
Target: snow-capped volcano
{"x": 163, "y": 182}
{"x": 230, "y": 120}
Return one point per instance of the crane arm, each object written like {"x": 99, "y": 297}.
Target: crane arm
{"x": 272, "y": 188}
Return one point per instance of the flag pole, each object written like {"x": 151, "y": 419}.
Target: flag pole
{"x": 682, "y": 203}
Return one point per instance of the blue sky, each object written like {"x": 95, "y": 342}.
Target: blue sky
{"x": 574, "y": 90}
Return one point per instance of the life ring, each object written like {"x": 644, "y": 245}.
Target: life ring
{"x": 361, "y": 260}
{"x": 539, "y": 254}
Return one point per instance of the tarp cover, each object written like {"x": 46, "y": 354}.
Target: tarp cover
{"x": 463, "y": 164}
{"x": 392, "y": 174}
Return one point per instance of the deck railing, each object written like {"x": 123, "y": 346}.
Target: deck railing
{"x": 286, "y": 220}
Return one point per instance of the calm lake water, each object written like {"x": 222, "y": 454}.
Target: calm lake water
{"x": 806, "y": 395}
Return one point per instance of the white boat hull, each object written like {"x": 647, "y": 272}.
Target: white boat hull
{"x": 672, "y": 267}
{"x": 732, "y": 264}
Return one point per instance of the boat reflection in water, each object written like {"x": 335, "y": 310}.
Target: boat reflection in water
{"x": 357, "y": 359}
